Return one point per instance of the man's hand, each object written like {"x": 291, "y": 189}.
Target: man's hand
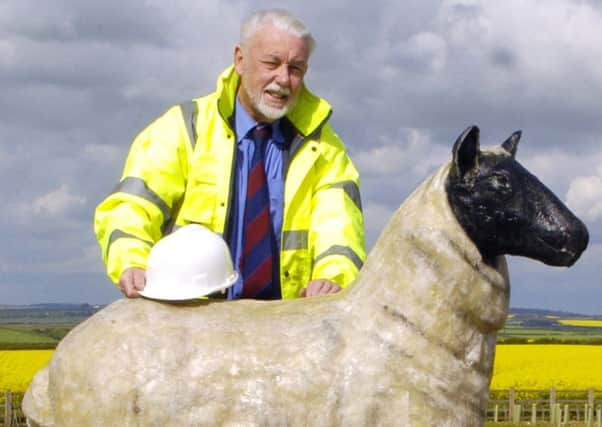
{"x": 131, "y": 281}
{"x": 319, "y": 287}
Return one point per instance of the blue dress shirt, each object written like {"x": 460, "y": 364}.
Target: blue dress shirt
{"x": 274, "y": 165}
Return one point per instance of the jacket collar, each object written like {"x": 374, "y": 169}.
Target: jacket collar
{"x": 309, "y": 114}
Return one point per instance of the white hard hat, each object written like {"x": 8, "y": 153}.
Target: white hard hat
{"x": 189, "y": 263}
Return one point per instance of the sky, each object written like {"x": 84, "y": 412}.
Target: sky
{"x": 78, "y": 80}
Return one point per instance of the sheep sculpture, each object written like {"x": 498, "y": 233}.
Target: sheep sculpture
{"x": 410, "y": 343}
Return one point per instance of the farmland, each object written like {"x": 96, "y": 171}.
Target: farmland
{"x": 588, "y": 323}
{"x": 17, "y": 367}
{"x": 537, "y": 350}
{"x": 28, "y": 336}
{"x": 547, "y": 327}
{"x": 569, "y": 367}
{"x": 543, "y": 366}
{"x": 39, "y": 326}
{"x": 536, "y": 360}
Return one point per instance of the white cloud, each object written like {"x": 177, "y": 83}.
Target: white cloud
{"x": 427, "y": 49}
{"x": 57, "y": 202}
{"x": 80, "y": 82}
{"x": 382, "y": 160}
{"x": 411, "y": 150}
{"x": 557, "y": 167}
{"x": 54, "y": 205}
{"x": 544, "y": 43}
{"x": 585, "y": 197}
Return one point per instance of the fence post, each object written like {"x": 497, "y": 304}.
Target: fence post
{"x": 511, "y": 403}
{"x": 552, "y": 404}
{"x": 495, "y": 413}
{"x": 516, "y": 414}
{"x": 585, "y": 414}
{"x": 8, "y": 408}
{"x": 533, "y": 413}
{"x": 590, "y": 401}
{"x": 567, "y": 414}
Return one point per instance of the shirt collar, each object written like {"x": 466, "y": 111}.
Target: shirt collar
{"x": 243, "y": 123}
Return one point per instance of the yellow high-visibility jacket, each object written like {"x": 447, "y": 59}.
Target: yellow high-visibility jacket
{"x": 180, "y": 170}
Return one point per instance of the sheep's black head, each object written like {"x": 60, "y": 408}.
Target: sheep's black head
{"x": 504, "y": 209}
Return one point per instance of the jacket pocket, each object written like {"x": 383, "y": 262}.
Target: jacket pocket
{"x": 200, "y": 201}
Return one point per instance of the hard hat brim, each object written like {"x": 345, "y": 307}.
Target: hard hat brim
{"x": 175, "y": 293}
{"x": 174, "y": 296}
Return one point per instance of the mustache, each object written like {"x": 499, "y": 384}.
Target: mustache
{"x": 276, "y": 88}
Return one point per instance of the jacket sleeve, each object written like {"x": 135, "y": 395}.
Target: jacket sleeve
{"x": 337, "y": 227}
{"x": 139, "y": 211}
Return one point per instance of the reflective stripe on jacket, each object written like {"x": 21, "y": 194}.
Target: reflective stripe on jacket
{"x": 180, "y": 170}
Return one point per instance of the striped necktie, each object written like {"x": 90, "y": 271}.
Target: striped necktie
{"x": 256, "y": 262}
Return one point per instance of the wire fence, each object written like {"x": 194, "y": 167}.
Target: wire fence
{"x": 10, "y": 405}
{"x": 557, "y": 407}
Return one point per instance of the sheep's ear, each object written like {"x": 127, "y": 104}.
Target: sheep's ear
{"x": 466, "y": 151}
{"x": 511, "y": 144}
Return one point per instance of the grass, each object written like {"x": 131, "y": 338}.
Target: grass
{"x": 16, "y": 336}
{"x": 32, "y": 336}
{"x": 572, "y": 334}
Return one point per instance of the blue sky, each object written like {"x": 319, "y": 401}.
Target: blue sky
{"x": 80, "y": 79}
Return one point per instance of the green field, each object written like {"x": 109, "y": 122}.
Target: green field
{"x": 545, "y": 327}
{"x": 39, "y": 326}
{"x": 32, "y": 336}
{"x": 572, "y": 335}
{"x": 44, "y": 325}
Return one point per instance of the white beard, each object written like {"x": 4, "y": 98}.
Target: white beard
{"x": 265, "y": 109}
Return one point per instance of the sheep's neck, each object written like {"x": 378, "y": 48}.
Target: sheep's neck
{"x": 425, "y": 281}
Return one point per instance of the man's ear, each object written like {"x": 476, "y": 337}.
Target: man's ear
{"x": 466, "y": 151}
{"x": 238, "y": 60}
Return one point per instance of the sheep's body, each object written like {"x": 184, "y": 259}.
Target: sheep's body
{"x": 410, "y": 343}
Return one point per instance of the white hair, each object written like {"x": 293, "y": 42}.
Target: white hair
{"x": 281, "y": 19}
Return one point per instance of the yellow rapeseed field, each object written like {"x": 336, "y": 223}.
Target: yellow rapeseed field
{"x": 592, "y": 323}
{"x": 526, "y": 367}
{"x": 17, "y": 367}
{"x": 540, "y": 367}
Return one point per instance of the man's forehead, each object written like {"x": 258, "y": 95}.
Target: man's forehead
{"x": 272, "y": 40}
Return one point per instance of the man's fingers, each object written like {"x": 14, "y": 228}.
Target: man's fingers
{"x": 129, "y": 290}
{"x": 333, "y": 288}
{"x": 320, "y": 287}
{"x": 330, "y": 288}
{"x": 139, "y": 280}
{"x": 132, "y": 280}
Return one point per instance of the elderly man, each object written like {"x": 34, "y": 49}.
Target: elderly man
{"x": 255, "y": 161}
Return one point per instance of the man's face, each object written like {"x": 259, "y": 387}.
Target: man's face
{"x": 271, "y": 70}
